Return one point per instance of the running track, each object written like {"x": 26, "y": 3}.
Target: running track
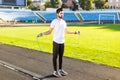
{"x": 27, "y": 64}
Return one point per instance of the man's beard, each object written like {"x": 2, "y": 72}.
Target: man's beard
{"x": 60, "y": 17}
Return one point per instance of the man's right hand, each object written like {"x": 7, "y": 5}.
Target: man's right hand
{"x": 40, "y": 35}
{"x": 79, "y": 32}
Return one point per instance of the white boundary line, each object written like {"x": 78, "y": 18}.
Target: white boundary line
{"x": 16, "y": 68}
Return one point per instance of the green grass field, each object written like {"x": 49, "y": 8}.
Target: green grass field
{"x": 97, "y": 43}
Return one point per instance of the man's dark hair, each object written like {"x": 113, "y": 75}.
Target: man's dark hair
{"x": 58, "y": 10}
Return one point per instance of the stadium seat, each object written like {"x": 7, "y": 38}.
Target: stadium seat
{"x": 94, "y": 15}
{"x": 18, "y": 15}
{"x": 69, "y": 16}
{"x": 49, "y": 16}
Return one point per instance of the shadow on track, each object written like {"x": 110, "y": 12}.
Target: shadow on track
{"x": 46, "y": 77}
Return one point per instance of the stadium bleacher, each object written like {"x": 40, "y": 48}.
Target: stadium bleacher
{"x": 18, "y": 15}
{"x": 48, "y": 16}
{"x": 69, "y": 16}
{"x": 94, "y": 15}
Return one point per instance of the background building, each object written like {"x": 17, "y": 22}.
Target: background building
{"x": 14, "y": 4}
{"x": 114, "y": 3}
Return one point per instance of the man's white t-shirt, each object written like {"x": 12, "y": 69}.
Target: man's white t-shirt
{"x": 59, "y": 30}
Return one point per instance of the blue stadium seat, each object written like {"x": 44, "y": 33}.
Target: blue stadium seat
{"x": 49, "y": 16}
{"x": 19, "y": 15}
{"x": 69, "y": 16}
{"x": 94, "y": 15}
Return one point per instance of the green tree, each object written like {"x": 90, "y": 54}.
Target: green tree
{"x": 99, "y": 4}
{"x": 106, "y": 4}
{"x": 54, "y": 3}
{"x": 48, "y": 4}
{"x": 29, "y": 3}
{"x": 31, "y": 6}
{"x": 85, "y": 4}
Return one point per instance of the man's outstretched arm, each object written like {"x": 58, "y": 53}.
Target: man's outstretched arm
{"x": 45, "y": 33}
{"x": 71, "y": 32}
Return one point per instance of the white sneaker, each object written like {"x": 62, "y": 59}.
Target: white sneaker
{"x": 63, "y": 73}
{"x": 56, "y": 74}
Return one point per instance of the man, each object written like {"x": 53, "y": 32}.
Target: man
{"x": 59, "y": 26}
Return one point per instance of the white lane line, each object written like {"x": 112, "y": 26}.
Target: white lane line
{"x": 16, "y": 68}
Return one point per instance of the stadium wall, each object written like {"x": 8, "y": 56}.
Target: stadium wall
{"x": 30, "y": 16}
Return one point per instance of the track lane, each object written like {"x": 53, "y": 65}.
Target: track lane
{"x": 78, "y": 70}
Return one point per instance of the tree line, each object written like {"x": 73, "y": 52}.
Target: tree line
{"x": 91, "y": 4}
{"x": 84, "y": 4}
